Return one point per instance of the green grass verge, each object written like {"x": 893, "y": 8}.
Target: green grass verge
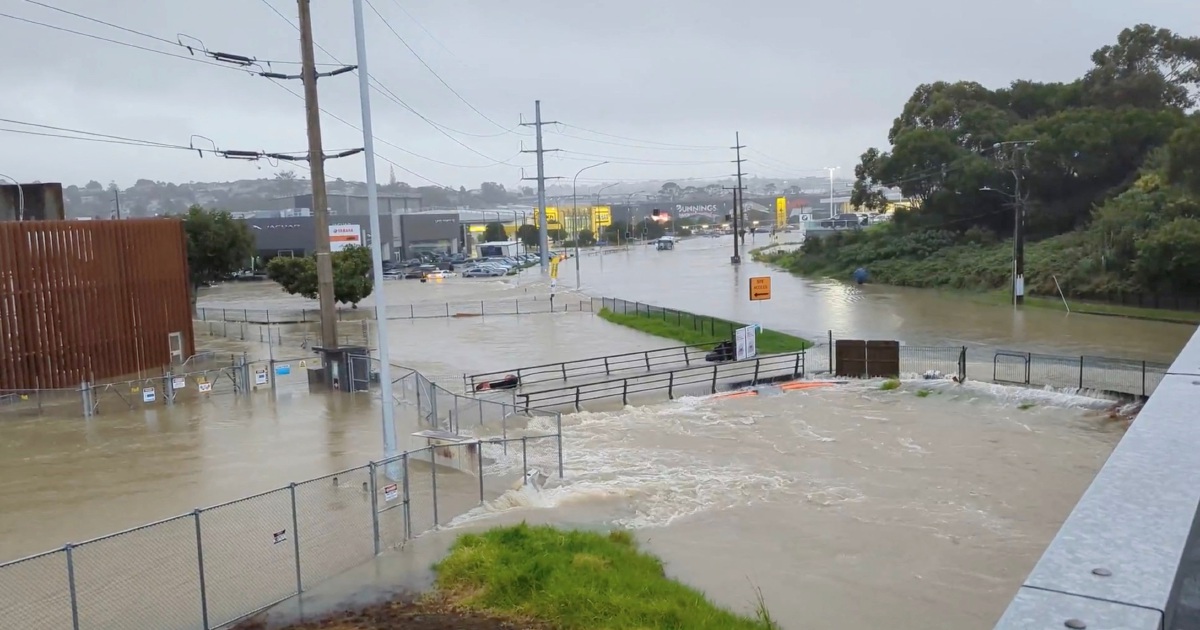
{"x": 700, "y": 330}
{"x": 576, "y": 580}
{"x": 1003, "y": 298}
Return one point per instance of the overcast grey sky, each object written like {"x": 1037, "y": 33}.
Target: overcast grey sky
{"x": 808, "y": 85}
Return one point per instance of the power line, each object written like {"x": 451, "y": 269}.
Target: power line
{"x": 430, "y": 68}
{"x": 125, "y": 44}
{"x": 423, "y": 29}
{"x": 663, "y": 144}
{"x": 616, "y": 159}
{"x": 632, "y": 146}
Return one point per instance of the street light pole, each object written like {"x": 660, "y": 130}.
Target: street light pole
{"x": 390, "y": 445}
{"x": 575, "y": 215}
{"x": 20, "y": 197}
{"x": 831, "y": 170}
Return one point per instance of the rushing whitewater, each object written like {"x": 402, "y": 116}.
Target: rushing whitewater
{"x": 913, "y": 508}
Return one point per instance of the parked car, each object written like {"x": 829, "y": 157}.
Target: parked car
{"x": 481, "y": 271}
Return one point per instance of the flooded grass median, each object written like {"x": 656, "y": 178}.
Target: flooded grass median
{"x": 700, "y": 330}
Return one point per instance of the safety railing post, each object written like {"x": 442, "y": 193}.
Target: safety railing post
{"x": 296, "y": 538}
{"x": 69, "y": 549}
{"x": 577, "y": 398}
{"x": 647, "y": 361}
{"x": 606, "y": 370}
{"x": 757, "y": 365}
{"x": 1143, "y": 379}
{"x": 1081, "y": 372}
{"x": 714, "y": 380}
{"x": 1028, "y": 366}
{"x": 671, "y": 386}
{"x": 200, "y": 574}
{"x": 374, "y": 487}
{"x": 796, "y": 367}
{"x": 524, "y": 456}
{"x": 625, "y": 391}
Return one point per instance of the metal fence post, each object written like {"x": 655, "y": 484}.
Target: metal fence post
{"x": 524, "y": 456}
{"x": 407, "y": 499}
{"x": 433, "y": 481}
{"x": 372, "y": 471}
{"x": 1081, "y": 372}
{"x": 1143, "y": 379}
{"x": 831, "y": 350}
{"x": 296, "y": 538}
{"x": 85, "y": 391}
{"x": 479, "y": 462}
{"x": 558, "y": 425}
{"x": 200, "y": 565}
{"x": 71, "y": 585}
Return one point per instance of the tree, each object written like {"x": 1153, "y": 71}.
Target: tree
{"x": 94, "y": 186}
{"x": 586, "y": 238}
{"x": 493, "y": 193}
{"x": 217, "y": 246}
{"x": 529, "y": 235}
{"x": 352, "y": 281}
{"x": 494, "y": 232}
{"x": 556, "y": 234}
{"x": 669, "y": 190}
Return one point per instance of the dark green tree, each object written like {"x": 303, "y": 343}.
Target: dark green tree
{"x": 528, "y": 235}
{"x": 586, "y": 238}
{"x": 217, "y": 246}
{"x": 494, "y": 232}
{"x": 352, "y": 281}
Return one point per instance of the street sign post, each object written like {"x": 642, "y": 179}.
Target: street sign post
{"x": 760, "y": 288}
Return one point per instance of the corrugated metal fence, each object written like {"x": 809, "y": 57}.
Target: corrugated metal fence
{"x": 88, "y": 300}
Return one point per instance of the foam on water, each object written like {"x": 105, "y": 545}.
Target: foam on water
{"x": 614, "y": 459}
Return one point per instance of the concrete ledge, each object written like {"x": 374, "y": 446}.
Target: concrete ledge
{"x": 1123, "y": 543}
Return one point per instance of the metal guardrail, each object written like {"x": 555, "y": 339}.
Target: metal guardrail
{"x": 563, "y": 371}
{"x": 464, "y": 308}
{"x": 688, "y": 380}
{"x": 1128, "y": 556}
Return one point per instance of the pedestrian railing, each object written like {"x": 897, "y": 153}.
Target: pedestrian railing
{"x": 214, "y": 566}
{"x": 1103, "y": 374}
{"x": 597, "y": 367}
{"x": 701, "y": 379}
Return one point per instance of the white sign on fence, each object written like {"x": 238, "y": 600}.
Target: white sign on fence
{"x": 205, "y": 388}
{"x": 149, "y": 394}
{"x": 391, "y": 492}
{"x": 179, "y": 382}
{"x": 745, "y": 343}
{"x": 279, "y": 536}
{"x": 260, "y": 377}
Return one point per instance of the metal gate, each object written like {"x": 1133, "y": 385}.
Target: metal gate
{"x": 857, "y": 358}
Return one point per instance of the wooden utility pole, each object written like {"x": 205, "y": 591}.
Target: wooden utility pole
{"x": 320, "y": 203}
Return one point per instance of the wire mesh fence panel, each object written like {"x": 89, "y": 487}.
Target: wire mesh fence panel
{"x": 249, "y": 555}
{"x": 333, "y": 524}
{"x": 37, "y": 402}
{"x": 1010, "y": 367}
{"x": 145, "y": 579}
{"x": 35, "y": 593}
{"x": 1136, "y": 378}
{"x": 422, "y": 479}
{"x": 206, "y": 383}
{"x": 285, "y": 374}
{"x": 1054, "y": 371}
{"x": 391, "y": 501}
{"x": 922, "y": 359}
{"x": 458, "y": 480}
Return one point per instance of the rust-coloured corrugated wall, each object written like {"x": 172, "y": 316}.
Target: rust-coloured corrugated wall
{"x": 90, "y": 300}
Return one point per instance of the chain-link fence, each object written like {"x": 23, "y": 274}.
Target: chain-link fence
{"x": 214, "y": 566}
{"x": 198, "y": 377}
{"x": 527, "y": 305}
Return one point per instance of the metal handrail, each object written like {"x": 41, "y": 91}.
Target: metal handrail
{"x": 564, "y": 371}
{"x": 710, "y": 378}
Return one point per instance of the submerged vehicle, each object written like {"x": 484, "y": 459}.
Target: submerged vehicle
{"x": 666, "y": 243}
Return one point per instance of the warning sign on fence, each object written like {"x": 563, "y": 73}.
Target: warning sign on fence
{"x": 279, "y": 536}
{"x": 149, "y": 394}
{"x": 391, "y": 492}
{"x": 179, "y": 382}
{"x": 260, "y": 377}
{"x": 205, "y": 388}
{"x": 303, "y": 364}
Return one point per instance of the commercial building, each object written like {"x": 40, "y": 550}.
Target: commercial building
{"x": 402, "y": 235}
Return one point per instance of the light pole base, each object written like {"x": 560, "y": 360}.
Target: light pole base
{"x": 736, "y": 260}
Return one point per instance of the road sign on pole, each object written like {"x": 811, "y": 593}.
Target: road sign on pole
{"x": 760, "y": 288}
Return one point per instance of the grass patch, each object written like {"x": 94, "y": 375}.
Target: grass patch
{"x": 577, "y": 580}
{"x": 889, "y": 385}
{"x": 700, "y": 330}
{"x": 1026, "y": 406}
{"x": 923, "y": 393}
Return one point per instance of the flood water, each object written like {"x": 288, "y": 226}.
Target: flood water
{"x": 849, "y": 507}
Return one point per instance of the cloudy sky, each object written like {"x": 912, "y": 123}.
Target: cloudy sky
{"x": 656, "y": 88}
